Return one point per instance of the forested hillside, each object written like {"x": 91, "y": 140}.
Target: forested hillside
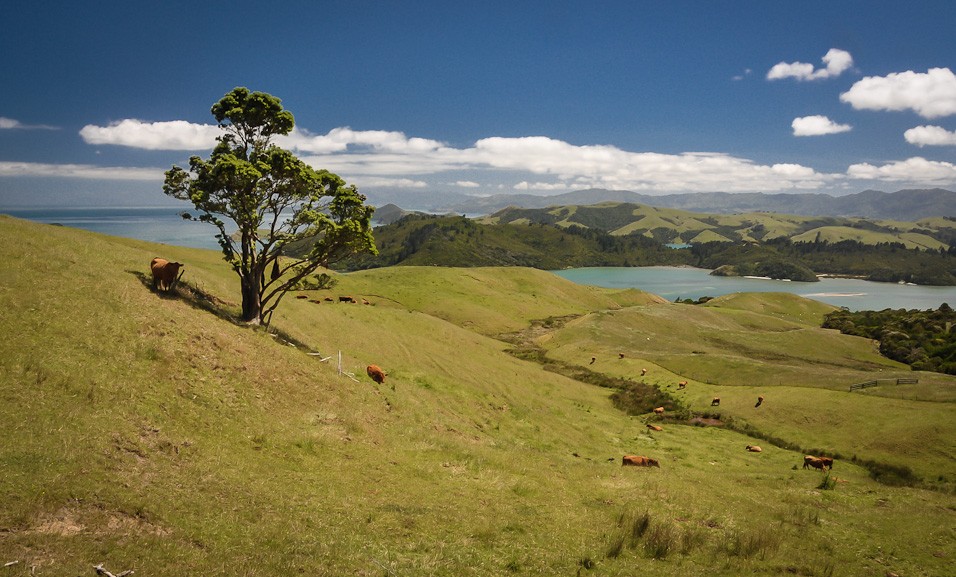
{"x": 924, "y": 340}
{"x": 763, "y": 245}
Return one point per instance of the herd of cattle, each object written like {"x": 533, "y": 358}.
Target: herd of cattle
{"x": 809, "y": 461}
{"x": 166, "y": 274}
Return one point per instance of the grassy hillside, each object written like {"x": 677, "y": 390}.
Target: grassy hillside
{"x": 667, "y": 224}
{"x": 148, "y": 432}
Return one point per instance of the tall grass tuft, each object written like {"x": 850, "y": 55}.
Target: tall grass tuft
{"x": 661, "y": 540}
{"x": 757, "y": 541}
{"x": 630, "y": 529}
{"x": 827, "y": 484}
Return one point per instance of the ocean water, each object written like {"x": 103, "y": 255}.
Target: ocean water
{"x": 686, "y": 282}
{"x": 164, "y": 225}
{"x": 154, "y": 224}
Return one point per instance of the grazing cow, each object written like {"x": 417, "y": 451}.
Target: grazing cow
{"x": 592, "y": 360}
{"x": 754, "y": 449}
{"x": 759, "y": 401}
{"x": 330, "y": 299}
{"x": 620, "y": 355}
{"x": 165, "y": 273}
{"x": 681, "y": 385}
{"x": 659, "y": 411}
{"x": 655, "y": 427}
{"x": 815, "y": 462}
{"x": 643, "y": 372}
{"x": 715, "y": 402}
{"x": 301, "y": 296}
{"x": 365, "y": 302}
{"x": 376, "y": 372}
{"x": 639, "y": 461}
{"x": 346, "y": 299}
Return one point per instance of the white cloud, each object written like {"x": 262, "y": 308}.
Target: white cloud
{"x": 389, "y": 159}
{"x": 341, "y": 139}
{"x": 930, "y": 136}
{"x": 745, "y": 74}
{"x": 817, "y": 126}
{"x": 363, "y": 181}
{"x": 837, "y": 62}
{"x": 171, "y": 135}
{"x": 12, "y": 124}
{"x": 85, "y": 171}
{"x": 549, "y": 186}
{"x": 931, "y": 94}
{"x": 914, "y": 170}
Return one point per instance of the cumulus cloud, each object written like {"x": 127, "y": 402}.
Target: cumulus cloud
{"x": 930, "y": 136}
{"x": 837, "y": 62}
{"x": 86, "y": 171}
{"x": 931, "y": 94}
{"x": 914, "y": 170}
{"x": 12, "y": 124}
{"x": 171, "y": 135}
{"x": 389, "y": 159}
{"x": 817, "y": 126}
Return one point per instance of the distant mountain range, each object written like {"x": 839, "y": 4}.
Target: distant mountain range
{"x": 907, "y": 205}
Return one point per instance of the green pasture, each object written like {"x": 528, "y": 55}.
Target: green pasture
{"x": 149, "y": 432}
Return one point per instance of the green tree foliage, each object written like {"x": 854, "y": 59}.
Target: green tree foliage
{"x": 277, "y": 202}
{"x": 923, "y": 339}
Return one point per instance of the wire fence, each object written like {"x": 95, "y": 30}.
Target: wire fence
{"x": 873, "y": 383}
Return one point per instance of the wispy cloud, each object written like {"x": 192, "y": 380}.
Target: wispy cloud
{"x": 931, "y": 94}
{"x": 12, "y": 124}
{"x": 837, "y": 62}
{"x": 85, "y": 171}
{"x": 817, "y": 126}
{"x": 930, "y": 136}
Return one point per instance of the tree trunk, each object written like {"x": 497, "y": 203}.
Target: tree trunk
{"x": 251, "y": 303}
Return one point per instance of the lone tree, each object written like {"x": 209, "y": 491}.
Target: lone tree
{"x": 277, "y": 201}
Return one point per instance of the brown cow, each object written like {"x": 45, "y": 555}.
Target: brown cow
{"x": 715, "y": 402}
{"x": 815, "y": 462}
{"x": 620, "y": 355}
{"x": 655, "y": 427}
{"x": 754, "y": 449}
{"x": 639, "y": 461}
{"x": 759, "y": 401}
{"x": 376, "y": 372}
{"x": 659, "y": 411}
{"x": 681, "y": 385}
{"x": 165, "y": 273}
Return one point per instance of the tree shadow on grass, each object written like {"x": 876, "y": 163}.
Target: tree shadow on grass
{"x": 204, "y": 301}
{"x": 192, "y": 295}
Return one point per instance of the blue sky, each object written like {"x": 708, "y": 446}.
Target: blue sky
{"x": 484, "y": 98}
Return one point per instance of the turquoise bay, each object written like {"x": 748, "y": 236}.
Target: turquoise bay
{"x": 687, "y": 282}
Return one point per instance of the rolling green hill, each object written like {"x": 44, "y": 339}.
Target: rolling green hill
{"x": 562, "y": 237}
{"x": 149, "y": 432}
{"x": 670, "y": 225}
